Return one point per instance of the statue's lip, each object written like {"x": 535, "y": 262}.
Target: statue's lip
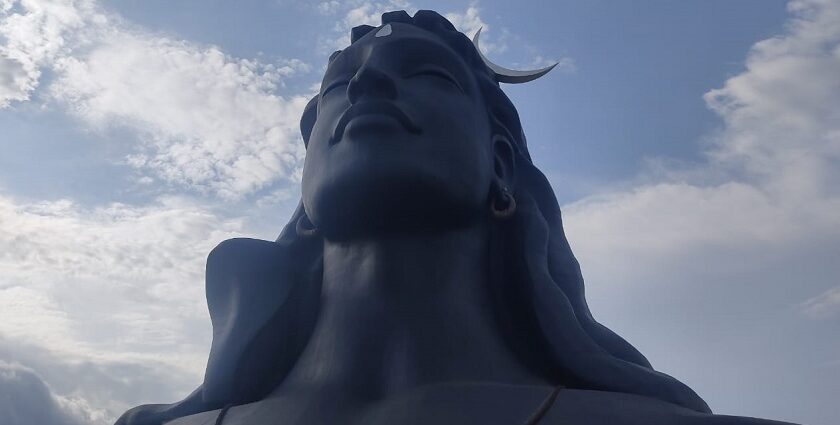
{"x": 373, "y": 107}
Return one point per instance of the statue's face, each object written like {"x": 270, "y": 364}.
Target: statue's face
{"x": 402, "y": 139}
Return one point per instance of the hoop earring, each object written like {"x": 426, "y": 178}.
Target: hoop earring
{"x": 304, "y": 227}
{"x": 508, "y": 208}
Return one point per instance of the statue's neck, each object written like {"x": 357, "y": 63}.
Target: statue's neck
{"x": 405, "y": 311}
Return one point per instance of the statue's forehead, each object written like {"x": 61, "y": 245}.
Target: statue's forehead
{"x": 396, "y": 30}
{"x": 398, "y": 39}
{"x": 393, "y": 32}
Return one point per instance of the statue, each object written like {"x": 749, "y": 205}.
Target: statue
{"x": 425, "y": 277}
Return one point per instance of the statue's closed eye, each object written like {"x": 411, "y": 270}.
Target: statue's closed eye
{"x": 334, "y": 84}
{"x": 438, "y": 73}
{"x": 426, "y": 71}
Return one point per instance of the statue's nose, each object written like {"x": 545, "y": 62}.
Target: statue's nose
{"x": 372, "y": 82}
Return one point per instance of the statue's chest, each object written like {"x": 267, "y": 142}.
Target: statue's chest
{"x": 463, "y": 404}
{"x": 468, "y": 404}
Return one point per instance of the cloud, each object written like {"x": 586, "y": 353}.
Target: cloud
{"x": 778, "y": 153}
{"x": 823, "y": 305}
{"x": 34, "y": 34}
{"x": 470, "y": 21}
{"x": 563, "y": 64}
{"x": 201, "y": 120}
{"x": 781, "y": 115}
{"x": 15, "y": 83}
{"x": 207, "y": 122}
{"x": 108, "y": 301}
{"x": 369, "y": 13}
{"x": 26, "y": 400}
{"x": 735, "y": 249}
{"x": 353, "y": 14}
{"x": 96, "y": 392}
{"x": 329, "y": 7}
{"x": 110, "y": 283}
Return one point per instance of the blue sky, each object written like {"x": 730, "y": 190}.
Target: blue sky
{"x": 694, "y": 147}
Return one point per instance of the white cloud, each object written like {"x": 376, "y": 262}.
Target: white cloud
{"x": 563, "y": 64}
{"x": 207, "y": 121}
{"x": 26, "y": 400}
{"x": 469, "y": 22}
{"x": 732, "y": 261}
{"x": 780, "y": 148}
{"x": 370, "y": 13}
{"x": 782, "y": 116}
{"x": 823, "y": 305}
{"x": 112, "y": 295}
{"x": 355, "y": 13}
{"x": 35, "y": 33}
{"x": 15, "y": 84}
{"x": 96, "y": 392}
{"x": 107, "y": 302}
{"x": 210, "y": 122}
{"x": 143, "y": 266}
{"x": 329, "y": 7}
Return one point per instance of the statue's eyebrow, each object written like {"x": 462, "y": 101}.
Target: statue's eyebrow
{"x": 440, "y": 54}
{"x": 421, "y": 51}
{"x": 336, "y": 67}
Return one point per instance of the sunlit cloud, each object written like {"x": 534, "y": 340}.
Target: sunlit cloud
{"x": 116, "y": 284}
{"x": 206, "y": 121}
{"x": 25, "y": 400}
{"x": 747, "y": 232}
{"x": 823, "y": 305}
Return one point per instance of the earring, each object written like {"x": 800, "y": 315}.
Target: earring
{"x": 508, "y": 204}
{"x": 304, "y": 227}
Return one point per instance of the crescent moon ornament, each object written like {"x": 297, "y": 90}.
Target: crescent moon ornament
{"x": 511, "y": 76}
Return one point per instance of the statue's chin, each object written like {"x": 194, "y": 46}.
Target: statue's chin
{"x": 391, "y": 185}
{"x": 364, "y": 211}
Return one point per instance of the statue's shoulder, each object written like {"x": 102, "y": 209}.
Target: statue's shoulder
{"x": 252, "y": 268}
{"x": 591, "y": 407}
{"x": 241, "y": 274}
{"x": 240, "y": 255}
{"x": 249, "y": 282}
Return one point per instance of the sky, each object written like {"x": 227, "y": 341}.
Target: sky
{"x": 694, "y": 147}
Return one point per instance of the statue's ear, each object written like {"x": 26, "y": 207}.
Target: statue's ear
{"x": 307, "y": 120}
{"x": 504, "y": 160}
